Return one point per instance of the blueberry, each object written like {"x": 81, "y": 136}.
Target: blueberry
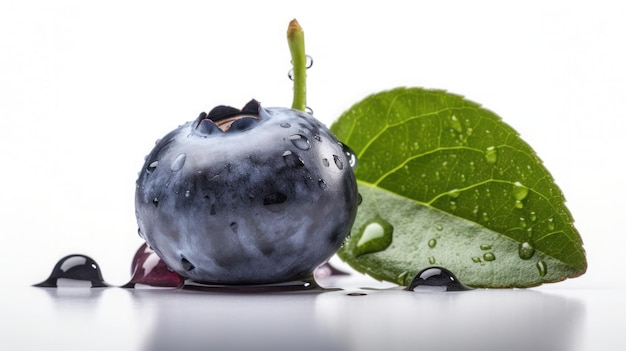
{"x": 246, "y": 196}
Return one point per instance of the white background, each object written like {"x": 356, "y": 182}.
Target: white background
{"x": 87, "y": 87}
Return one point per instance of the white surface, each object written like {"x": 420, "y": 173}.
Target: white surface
{"x": 86, "y": 88}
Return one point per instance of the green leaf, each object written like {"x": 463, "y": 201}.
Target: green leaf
{"x": 458, "y": 188}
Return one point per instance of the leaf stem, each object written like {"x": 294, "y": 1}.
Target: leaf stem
{"x": 295, "y": 38}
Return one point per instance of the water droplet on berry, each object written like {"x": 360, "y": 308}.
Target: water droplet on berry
{"x": 285, "y": 125}
{"x": 178, "y": 162}
{"x": 526, "y": 251}
{"x": 77, "y": 268}
{"x": 325, "y": 162}
{"x": 187, "y": 193}
{"x": 322, "y": 183}
{"x": 300, "y": 141}
{"x": 376, "y": 235}
{"x": 308, "y": 110}
{"x": 186, "y": 264}
{"x": 292, "y": 160}
{"x": 350, "y": 155}
{"x": 155, "y": 202}
{"x": 152, "y": 166}
{"x": 148, "y": 269}
{"x": 436, "y": 277}
{"x": 275, "y": 201}
{"x": 338, "y": 162}
{"x": 542, "y": 268}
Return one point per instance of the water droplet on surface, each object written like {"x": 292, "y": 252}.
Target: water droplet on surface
{"x": 152, "y": 166}
{"x": 489, "y": 257}
{"x": 437, "y": 277}
{"x": 519, "y": 204}
{"x": 551, "y": 225}
{"x": 325, "y": 162}
{"x": 300, "y": 141}
{"x": 484, "y": 217}
{"x": 148, "y": 269}
{"x": 526, "y": 251}
{"x": 542, "y": 268}
{"x": 476, "y": 259}
{"x": 532, "y": 216}
{"x": 376, "y": 235}
{"x": 292, "y": 160}
{"x": 187, "y": 193}
{"x": 338, "y": 162}
{"x": 76, "y": 268}
{"x": 432, "y": 243}
{"x": 454, "y": 193}
{"x": 285, "y": 125}
{"x": 491, "y": 155}
{"x": 400, "y": 279}
{"x": 431, "y": 260}
{"x": 290, "y": 74}
{"x": 308, "y": 110}
{"x": 178, "y": 163}
{"x": 453, "y": 205}
{"x": 155, "y": 202}
{"x": 485, "y": 247}
{"x": 439, "y": 227}
{"x": 275, "y": 201}
{"x": 317, "y": 138}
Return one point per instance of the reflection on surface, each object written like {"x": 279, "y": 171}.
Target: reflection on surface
{"x": 472, "y": 320}
{"x": 361, "y": 320}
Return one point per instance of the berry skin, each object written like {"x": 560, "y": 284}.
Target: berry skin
{"x": 247, "y": 196}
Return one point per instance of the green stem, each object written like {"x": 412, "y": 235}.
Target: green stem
{"x": 295, "y": 38}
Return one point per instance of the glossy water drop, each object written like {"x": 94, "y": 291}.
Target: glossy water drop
{"x": 155, "y": 202}
{"x": 322, "y": 184}
{"x": 520, "y": 192}
{"x": 526, "y": 251}
{"x": 300, "y": 141}
{"x": 325, "y": 162}
{"x": 350, "y": 155}
{"x": 309, "y": 62}
{"x": 519, "y": 204}
{"x": 476, "y": 259}
{"x": 532, "y": 216}
{"x": 454, "y": 193}
{"x": 338, "y": 162}
{"x": 285, "y": 125}
{"x": 290, "y": 74}
{"x": 484, "y": 217}
{"x": 401, "y": 278}
{"x": 453, "y": 205}
{"x": 308, "y": 110}
{"x": 485, "y": 247}
{"x": 75, "y": 268}
{"x": 148, "y": 269}
{"x": 491, "y": 155}
{"x": 456, "y": 124}
{"x": 292, "y": 160}
{"x": 152, "y": 166}
{"x": 187, "y": 193}
{"x": 551, "y": 225}
{"x": 489, "y": 257}
{"x": 542, "y": 268}
{"x": 439, "y": 227}
{"x": 376, "y": 235}
{"x": 178, "y": 163}
{"x": 188, "y": 266}
{"x": 432, "y": 243}
{"x": 437, "y": 277}
{"x": 431, "y": 260}
{"x": 275, "y": 201}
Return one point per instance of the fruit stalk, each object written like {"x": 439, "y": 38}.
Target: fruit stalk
{"x": 295, "y": 38}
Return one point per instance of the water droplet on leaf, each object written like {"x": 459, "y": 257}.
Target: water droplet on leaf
{"x": 542, "y": 268}
{"x": 376, "y": 235}
{"x": 489, "y": 257}
{"x": 526, "y": 251}
{"x": 292, "y": 160}
{"x": 491, "y": 155}
{"x": 432, "y": 243}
